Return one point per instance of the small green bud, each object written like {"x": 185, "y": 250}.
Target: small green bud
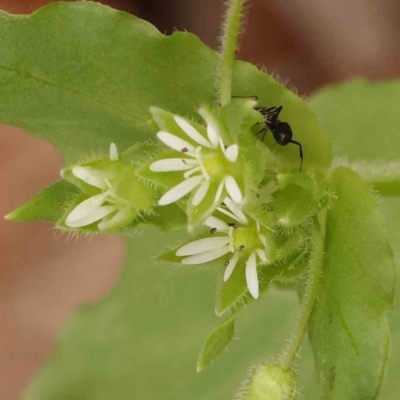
{"x": 270, "y": 382}
{"x": 112, "y": 195}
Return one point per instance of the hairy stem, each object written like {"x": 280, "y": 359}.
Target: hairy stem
{"x": 231, "y": 28}
{"x": 309, "y": 295}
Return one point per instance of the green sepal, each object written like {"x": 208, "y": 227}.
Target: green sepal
{"x": 296, "y": 200}
{"x": 216, "y": 343}
{"x": 233, "y": 294}
{"x": 48, "y": 205}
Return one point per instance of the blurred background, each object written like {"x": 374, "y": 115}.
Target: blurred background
{"x": 45, "y": 276}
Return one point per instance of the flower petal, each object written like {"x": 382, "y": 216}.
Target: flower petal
{"x": 233, "y": 189}
{"x": 236, "y": 210}
{"x": 201, "y": 193}
{"x": 172, "y": 164}
{"x": 207, "y": 256}
{"x": 175, "y": 142}
{"x": 214, "y": 222}
{"x": 89, "y": 211}
{"x": 202, "y": 245}
{"x": 262, "y": 255}
{"x": 90, "y": 176}
{"x": 212, "y": 132}
{"x": 251, "y": 275}
{"x": 86, "y": 208}
{"x": 113, "y": 152}
{"x": 180, "y": 190}
{"x": 232, "y": 153}
{"x": 192, "y": 132}
{"x": 231, "y": 266}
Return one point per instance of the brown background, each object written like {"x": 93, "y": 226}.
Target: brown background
{"x": 45, "y": 275}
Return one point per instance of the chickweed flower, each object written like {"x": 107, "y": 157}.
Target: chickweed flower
{"x": 116, "y": 194}
{"x": 242, "y": 240}
{"x": 204, "y": 163}
{"x": 203, "y": 160}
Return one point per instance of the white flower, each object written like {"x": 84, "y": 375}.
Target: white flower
{"x": 203, "y": 160}
{"x": 243, "y": 240}
{"x": 101, "y": 206}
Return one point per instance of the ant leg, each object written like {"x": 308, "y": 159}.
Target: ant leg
{"x": 301, "y": 151}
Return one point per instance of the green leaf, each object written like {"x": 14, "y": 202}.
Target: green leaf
{"x": 216, "y": 343}
{"x": 94, "y": 81}
{"x": 49, "y": 205}
{"x": 348, "y": 329}
{"x": 362, "y": 120}
{"x": 141, "y": 341}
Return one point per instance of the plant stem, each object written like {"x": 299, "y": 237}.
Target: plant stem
{"x": 308, "y": 298}
{"x": 231, "y": 28}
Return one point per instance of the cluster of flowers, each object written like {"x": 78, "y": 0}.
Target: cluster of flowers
{"x": 208, "y": 169}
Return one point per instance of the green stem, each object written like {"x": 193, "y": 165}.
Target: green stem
{"x": 308, "y": 298}
{"x": 231, "y": 30}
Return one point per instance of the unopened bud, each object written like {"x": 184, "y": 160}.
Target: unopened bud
{"x": 270, "y": 382}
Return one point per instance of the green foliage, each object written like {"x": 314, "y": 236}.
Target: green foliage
{"x": 93, "y": 83}
{"x": 348, "y": 331}
{"x": 362, "y": 120}
{"x": 49, "y": 205}
{"x": 216, "y": 343}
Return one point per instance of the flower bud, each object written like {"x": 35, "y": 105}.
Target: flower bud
{"x": 270, "y": 382}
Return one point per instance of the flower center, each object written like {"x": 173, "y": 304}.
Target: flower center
{"x": 215, "y": 164}
{"x": 246, "y": 239}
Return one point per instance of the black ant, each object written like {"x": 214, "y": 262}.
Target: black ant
{"x": 281, "y": 131}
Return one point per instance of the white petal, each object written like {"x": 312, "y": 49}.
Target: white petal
{"x": 214, "y": 222}
{"x": 212, "y": 132}
{"x": 86, "y": 208}
{"x": 232, "y": 153}
{"x": 251, "y": 275}
{"x": 111, "y": 222}
{"x": 192, "y": 132}
{"x": 89, "y": 211}
{"x": 175, "y": 142}
{"x": 113, "y": 152}
{"x": 262, "y": 255}
{"x": 233, "y": 189}
{"x": 90, "y": 176}
{"x": 219, "y": 192}
{"x": 236, "y": 210}
{"x": 263, "y": 239}
{"x": 207, "y": 256}
{"x": 202, "y": 245}
{"x": 172, "y": 164}
{"x": 180, "y": 190}
{"x": 231, "y": 266}
{"x": 201, "y": 193}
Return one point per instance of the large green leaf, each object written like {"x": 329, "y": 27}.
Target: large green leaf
{"x": 348, "y": 331}
{"x": 362, "y": 119}
{"x": 81, "y": 75}
{"x": 142, "y": 340}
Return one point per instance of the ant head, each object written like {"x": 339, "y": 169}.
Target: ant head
{"x": 282, "y": 133}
